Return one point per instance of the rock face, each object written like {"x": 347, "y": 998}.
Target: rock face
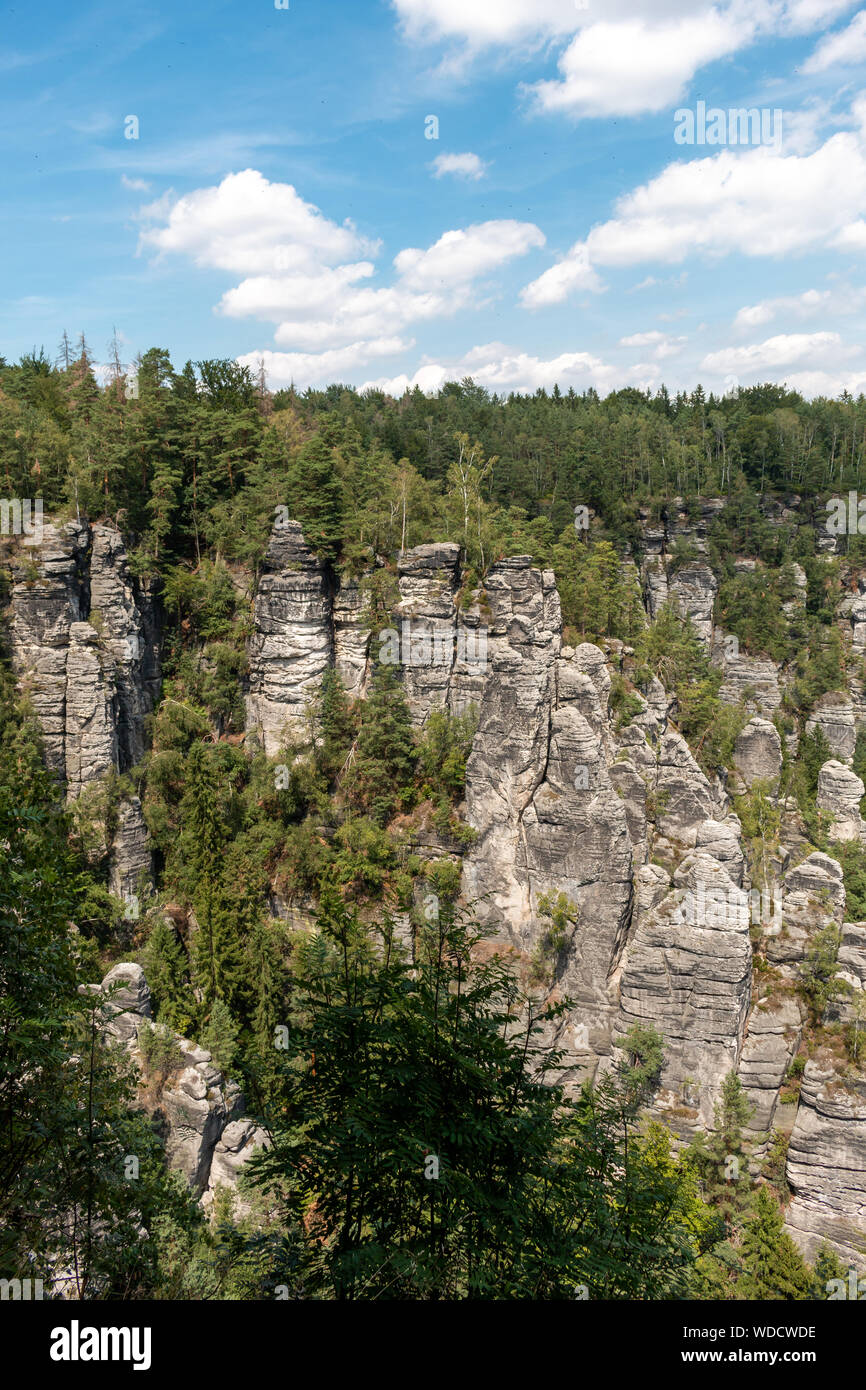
{"x": 826, "y": 1166}
{"x": 758, "y": 753}
{"x": 199, "y": 1110}
{"x": 833, "y": 714}
{"x": 128, "y": 1005}
{"x": 305, "y": 621}
{"x": 196, "y": 1108}
{"x": 292, "y": 645}
{"x": 131, "y": 868}
{"x": 750, "y": 680}
{"x": 839, "y": 793}
{"x": 813, "y": 897}
{"x": 772, "y": 1039}
{"x": 539, "y": 794}
{"x": 688, "y": 971}
{"x": 693, "y": 589}
{"x": 238, "y": 1142}
{"x": 85, "y": 646}
{"x": 567, "y": 795}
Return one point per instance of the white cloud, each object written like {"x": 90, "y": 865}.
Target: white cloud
{"x": 502, "y": 369}
{"x": 460, "y": 256}
{"x": 756, "y": 203}
{"x": 846, "y": 299}
{"x": 301, "y": 272}
{"x": 249, "y": 225}
{"x": 783, "y": 350}
{"x": 661, "y": 343}
{"x": 483, "y": 22}
{"x": 326, "y": 308}
{"x": 848, "y": 46}
{"x": 623, "y": 62}
{"x": 639, "y": 65}
{"x": 135, "y": 185}
{"x": 312, "y": 369}
{"x": 830, "y": 384}
{"x": 462, "y": 166}
{"x": 573, "y": 272}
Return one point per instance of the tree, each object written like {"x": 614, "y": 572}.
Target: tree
{"x": 774, "y": 1268}
{"x": 819, "y": 982}
{"x": 421, "y": 1149}
{"x": 381, "y": 778}
{"x": 316, "y": 497}
{"x": 220, "y": 1037}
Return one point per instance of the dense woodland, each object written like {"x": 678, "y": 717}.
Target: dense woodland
{"x": 383, "y": 1062}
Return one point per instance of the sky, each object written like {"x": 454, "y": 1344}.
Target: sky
{"x": 402, "y": 193}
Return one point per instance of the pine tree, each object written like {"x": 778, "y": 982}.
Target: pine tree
{"x": 166, "y": 968}
{"x": 774, "y": 1268}
{"x": 220, "y": 1037}
{"x": 316, "y": 494}
{"x": 385, "y": 753}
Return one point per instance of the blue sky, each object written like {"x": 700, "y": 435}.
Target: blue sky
{"x": 282, "y": 199}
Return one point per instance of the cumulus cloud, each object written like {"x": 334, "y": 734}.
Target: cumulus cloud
{"x": 460, "y": 256}
{"x": 485, "y": 22}
{"x": 848, "y": 47}
{"x": 662, "y": 344}
{"x": 463, "y": 166}
{"x": 305, "y": 368}
{"x": 573, "y": 272}
{"x": 502, "y": 369}
{"x": 624, "y": 63}
{"x": 640, "y": 65}
{"x": 783, "y": 350}
{"x": 135, "y": 185}
{"x": 302, "y": 273}
{"x": 251, "y": 226}
{"x": 845, "y": 299}
{"x": 753, "y": 202}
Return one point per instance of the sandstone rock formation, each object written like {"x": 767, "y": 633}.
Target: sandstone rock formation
{"x": 839, "y": 793}
{"x": 85, "y": 646}
{"x": 758, "y": 753}
{"x": 198, "y": 1110}
{"x": 826, "y": 1166}
{"x": 292, "y": 645}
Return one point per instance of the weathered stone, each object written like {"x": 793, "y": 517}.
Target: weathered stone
{"x": 758, "y": 753}
{"x": 772, "y": 1037}
{"x": 693, "y": 590}
{"x": 833, "y": 714}
{"x": 131, "y": 866}
{"x": 128, "y": 1004}
{"x": 292, "y": 645}
{"x": 839, "y": 793}
{"x": 827, "y": 1164}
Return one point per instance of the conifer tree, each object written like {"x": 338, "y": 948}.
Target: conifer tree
{"x": 317, "y": 497}
{"x": 773, "y": 1266}
{"x": 385, "y": 756}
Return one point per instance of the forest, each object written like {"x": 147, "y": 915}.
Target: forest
{"x": 421, "y": 1141}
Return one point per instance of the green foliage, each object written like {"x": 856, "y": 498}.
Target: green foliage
{"x": 819, "y": 984}
{"x": 160, "y": 1053}
{"x": 443, "y": 750}
{"x": 422, "y": 1153}
{"x": 562, "y": 916}
{"x": 220, "y": 1037}
{"x": 774, "y": 1269}
{"x": 381, "y": 779}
